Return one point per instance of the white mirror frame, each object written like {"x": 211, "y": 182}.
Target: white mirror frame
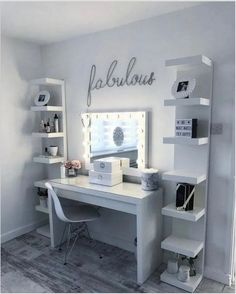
{"x": 141, "y": 116}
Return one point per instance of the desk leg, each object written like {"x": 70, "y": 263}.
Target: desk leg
{"x": 149, "y": 230}
{"x": 56, "y": 226}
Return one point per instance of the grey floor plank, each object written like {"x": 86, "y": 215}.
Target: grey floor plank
{"x": 30, "y": 264}
{"x": 15, "y": 282}
{"x": 228, "y": 289}
{"x": 209, "y": 286}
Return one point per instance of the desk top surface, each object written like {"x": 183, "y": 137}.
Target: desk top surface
{"x": 81, "y": 184}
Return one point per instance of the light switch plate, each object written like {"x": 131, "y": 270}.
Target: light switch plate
{"x": 216, "y": 128}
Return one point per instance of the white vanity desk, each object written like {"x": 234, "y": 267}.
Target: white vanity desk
{"x": 125, "y": 197}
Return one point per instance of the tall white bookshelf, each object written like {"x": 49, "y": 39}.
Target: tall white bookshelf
{"x": 191, "y": 165}
{"x": 56, "y": 105}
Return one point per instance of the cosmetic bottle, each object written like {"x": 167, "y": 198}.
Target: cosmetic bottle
{"x": 56, "y": 123}
{"x": 48, "y": 129}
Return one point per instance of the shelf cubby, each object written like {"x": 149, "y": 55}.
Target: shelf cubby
{"x": 184, "y": 246}
{"x": 190, "y": 215}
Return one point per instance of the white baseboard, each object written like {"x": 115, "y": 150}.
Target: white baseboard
{"x": 217, "y": 275}
{"x": 113, "y": 240}
{"x": 21, "y": 231}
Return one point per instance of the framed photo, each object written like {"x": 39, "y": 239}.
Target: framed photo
{"x": 183, "y": 87}
{"x": 42, "y": 98}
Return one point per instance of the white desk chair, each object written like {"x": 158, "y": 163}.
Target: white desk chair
{"x": 71, "y": 215}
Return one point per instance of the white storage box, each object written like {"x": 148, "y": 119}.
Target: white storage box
{"x": 106, "y": 179}
{"x": 124, "y": 162}
{"x": 107, "y": 165}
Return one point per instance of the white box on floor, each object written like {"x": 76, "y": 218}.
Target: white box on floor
{"x": 107, "y": 165}
{"x": 106, "y": 179}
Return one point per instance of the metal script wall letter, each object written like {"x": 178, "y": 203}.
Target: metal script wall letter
{"x": 130, "y": 79}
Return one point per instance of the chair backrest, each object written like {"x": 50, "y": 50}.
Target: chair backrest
{"x": 57, "y": 204}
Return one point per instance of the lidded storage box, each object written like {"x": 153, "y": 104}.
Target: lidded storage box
{"x": 107, "y": 165}
{"x": 106, "y": 179}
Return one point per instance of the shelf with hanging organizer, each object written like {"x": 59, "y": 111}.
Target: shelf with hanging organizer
{"x": 56, "y": 104}
{"x": 191, "y": 164}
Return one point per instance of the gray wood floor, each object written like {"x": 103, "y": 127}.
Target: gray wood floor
{"x": 30, "y": 265}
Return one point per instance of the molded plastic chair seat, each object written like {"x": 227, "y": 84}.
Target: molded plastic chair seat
{"x": 71, "y": 215}
{"x": 83, "y": 213}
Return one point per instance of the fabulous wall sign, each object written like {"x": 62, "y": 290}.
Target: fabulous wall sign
{"x": 130, "y": 79}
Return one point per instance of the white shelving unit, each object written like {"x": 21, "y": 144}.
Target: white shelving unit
{"x": 48, "y": 135}
{"x": 47, "y": 108}
{"x": 183, "y": 246}
{"x": 191, "y": 164}
{"x": 184, "y": 176}
{"x": 187, "y": 102}
{"x": 185, "y": 141}
{"x": 191, "y": 215}
{"x": 49, "y": 159}
{"x": 56, "y": 105}
{"x": 41, "y": 209}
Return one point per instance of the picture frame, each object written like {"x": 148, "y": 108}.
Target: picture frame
{"x": 183, "y": 87}
{"x": 42, "y": 98}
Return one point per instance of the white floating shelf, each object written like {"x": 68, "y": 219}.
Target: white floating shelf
{"x": 48, "y": 135}
{"x": 41, "y": 209}
{"x": 40, "y": 184}
{"x": 189, "y": 285}
{"x": 187, "y": 102}
{"x": 183, "y": 246}
{"x": 184, "y": 176}
{"x": 46, "y": 108}
{"x": 46, "y": 81}
{"x": 189, "y": 61}
{"x": 190, "y": 215}
{"x": 48, "y": 159}
{"x": 44, "y": 230}
{"x": 185, "y": 141}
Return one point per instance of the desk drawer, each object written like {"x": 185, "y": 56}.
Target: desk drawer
{"x": 99, "y": 201}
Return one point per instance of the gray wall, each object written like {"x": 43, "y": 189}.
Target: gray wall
{"x": 20, "y": 62}
{"x": 205, "y": 29}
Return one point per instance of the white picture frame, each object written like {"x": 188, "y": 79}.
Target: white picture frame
{"x": 42, "y": 98}
{"x": 183, "y": 87}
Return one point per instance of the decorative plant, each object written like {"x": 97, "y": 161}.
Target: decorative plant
{"x": 69, "y": 164}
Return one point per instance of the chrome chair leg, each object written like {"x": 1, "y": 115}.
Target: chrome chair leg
{"x": 62, "y": 237}
{"x": 67, "y": 243}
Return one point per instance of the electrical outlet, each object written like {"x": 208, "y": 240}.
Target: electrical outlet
{"x": 216, "y": 128}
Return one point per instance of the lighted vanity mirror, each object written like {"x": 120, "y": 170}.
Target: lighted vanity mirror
{"x": 116, "y": 134}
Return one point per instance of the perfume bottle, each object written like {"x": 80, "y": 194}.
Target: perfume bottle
{"x": 48, "y": 128}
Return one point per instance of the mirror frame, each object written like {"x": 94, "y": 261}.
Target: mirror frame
{"x": 141, "y": 116}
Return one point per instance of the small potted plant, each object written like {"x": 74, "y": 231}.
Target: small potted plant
{"x": 72, "y": 167}
{"x": 43, "y": 197}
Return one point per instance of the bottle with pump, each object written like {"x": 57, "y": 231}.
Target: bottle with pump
{"x": 56, "y": 123}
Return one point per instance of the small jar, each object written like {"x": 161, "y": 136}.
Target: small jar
{"x": 172, "y": 266}
{"x": 149, "y": 179}
{"x": 183, "y": 274}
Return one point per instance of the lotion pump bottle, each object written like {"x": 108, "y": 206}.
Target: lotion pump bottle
{"x": 56, "y": 123}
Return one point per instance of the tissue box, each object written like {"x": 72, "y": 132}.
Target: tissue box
{"x": 106, "y": 179}
{"x": 107, "y": 165}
